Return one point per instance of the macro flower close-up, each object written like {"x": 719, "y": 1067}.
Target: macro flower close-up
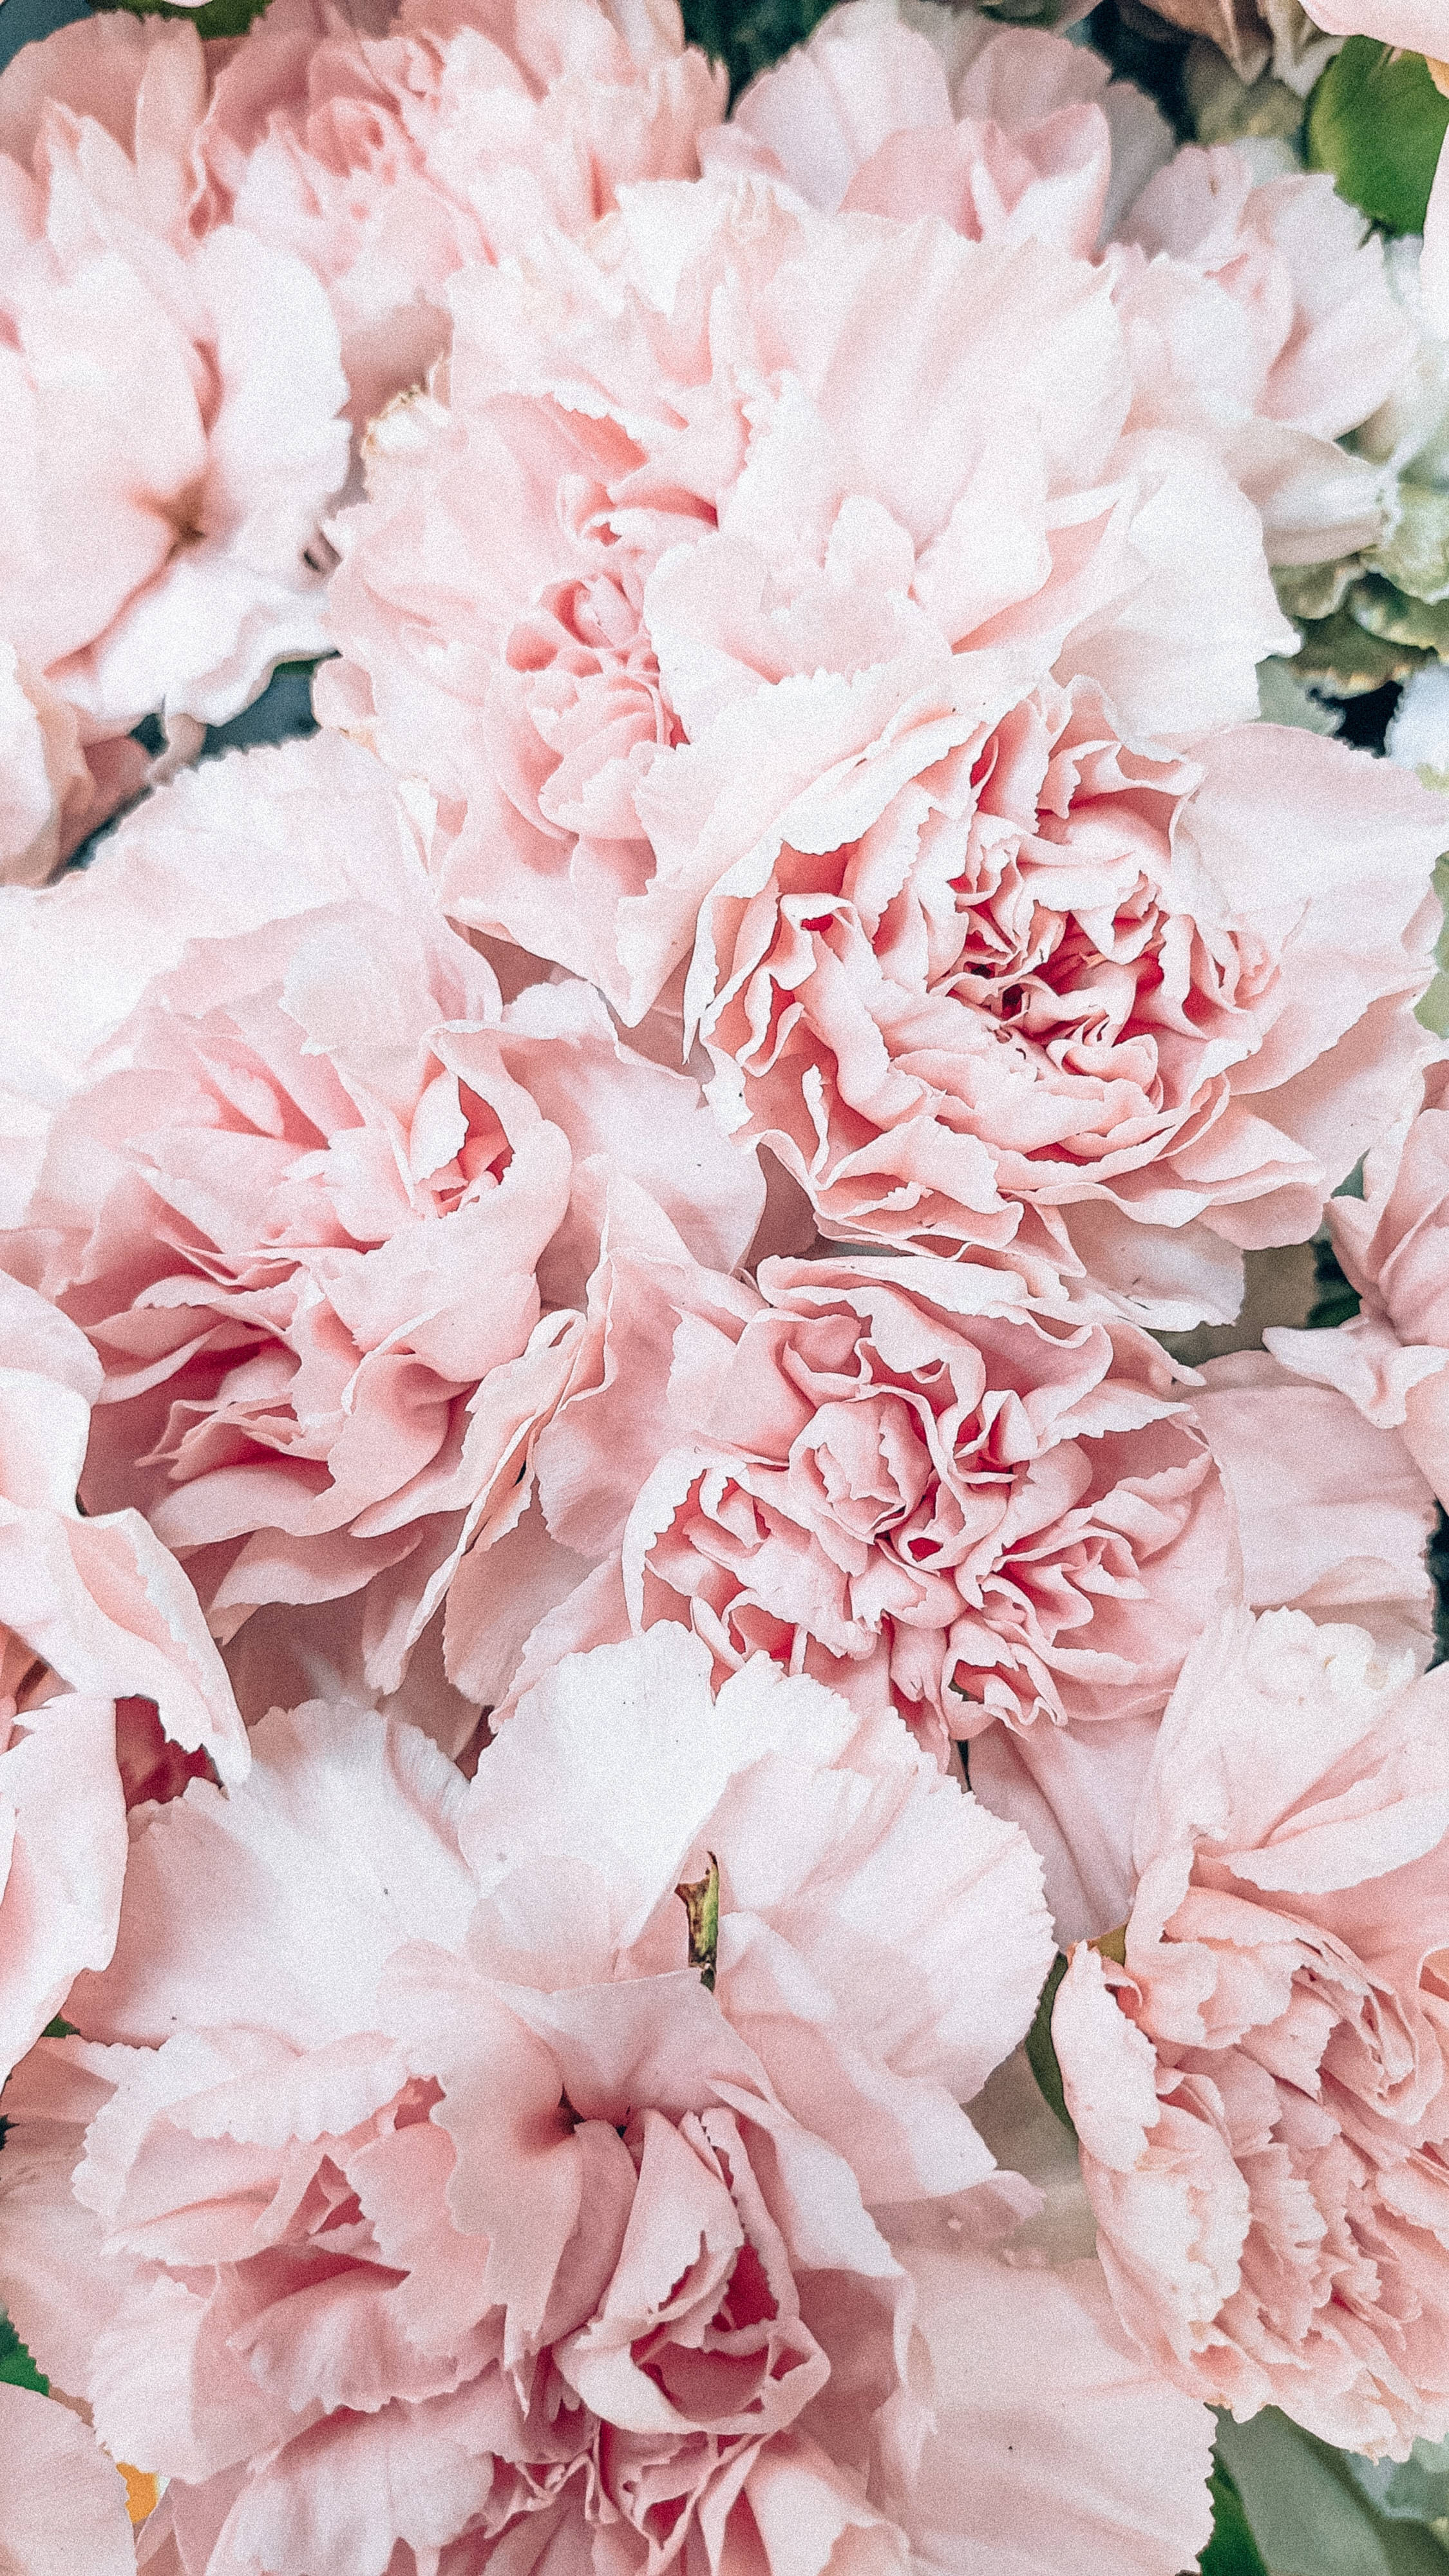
{"x": 724, "y": 1288}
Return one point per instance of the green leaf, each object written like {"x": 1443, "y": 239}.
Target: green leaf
{"x": 746, "y": 40}
{"x": 17, "y": 2369}
{"x": 1416, "y": 557}
{"x": 1348, "y": 660}
{"x": 1380, "y": 609}
{"x": 1041, "y": 2055}
{"x": 1315, "y": 590}
{"x": 1232, "y": 2550}
{"x": 1411, "y": 2490}
{"x": 1307, "y": 2512}
{"x": 1337, "y": 1300}
{"x": 1376, "y": 121}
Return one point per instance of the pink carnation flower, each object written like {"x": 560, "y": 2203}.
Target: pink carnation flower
{"x": 1260, "y": 2090}
{"x": 814, "y": 664}
{"x": 447, "y": 2194}
{"x": 1392, "y": 1360}
{"x": 169, "y": 405}
{"x": 92, "y": 1613}
{"x": 328, "y": 1210}
{"x": 58, "y": 2492}
{"x": 386, "y": 160}
{"x": 1008, "y": 133}
{"x": 913, "y": 1481}
{"x": 239, "y": 842}
{"x": 1258, "y": 317}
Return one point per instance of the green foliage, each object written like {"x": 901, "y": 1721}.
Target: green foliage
{"x": 747, "y": 38}
{"x": 1336, "y": 1301}
{"x": 17, "y": 2369}
{"x": 1376, "y": 121}
{"x": 1311, "y": 2511}
{"x": 1232, "y": 2550}
{"x": 1041, "y": 2055}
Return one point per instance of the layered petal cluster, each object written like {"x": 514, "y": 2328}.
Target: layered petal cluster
{"x": 170, "y": 401}
{"x": 796, "y": 634}
{"x": 108, "y": 1679}
{"x": 327, "y": 1209}
{"x": 1260, "y": 2087}
{"x": 1392, "y": 1360}
{"x": 1008, "y": 133}
{"x": 1258, "y": 316}
{"x": 454, "y": 2194}
{"x": 388, "y": 157}
{"x": 1262, "y": 317}
{"x": 932, "y": 1491}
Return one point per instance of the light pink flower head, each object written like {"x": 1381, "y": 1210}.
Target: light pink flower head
{"x": 93, "y": 1612}
{"x": 232, "y": 845}
{"x": 169, "y": 398}
{"x": 447, "y": 2183}
{"x": 776, "y": 676}
{"x": 1392, "y": 1360}
{"x": 1258, "y": 317}
{"x": 1260, "y": 2090}
{"x": 927, "y": 1489}
{"x": 907, "y": 1477}
{"x": 388, "y": 159}
{"x": 64, "y": 2501}
{"x": 1008, "y": 133}
{"x": 1262, "y": 318}
{"x": 327, "y": 1210}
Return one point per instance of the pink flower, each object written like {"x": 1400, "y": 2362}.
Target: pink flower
{"x": 1262, "y": 318}
{"x": 1260, "y": 2090}
{"x": 59, "y": 2491}
{"x": 779, "y": 679}
{"x": 1009, "y": 133}
{"x": 1258, "y": 317}
{"x": 328, "y": 1211}
{"x": 387, "y": 160}
{"x": 1392, "y": 1360}
{"x": 93, "y": 1615}
{"x": 413, "y": 2191}
{"x": 242, "y": 841}
{"x": 169, "y": 401}
{"x": 928, "y": 1490}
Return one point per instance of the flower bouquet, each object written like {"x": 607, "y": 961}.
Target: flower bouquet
{"x": 724, "y": 1264}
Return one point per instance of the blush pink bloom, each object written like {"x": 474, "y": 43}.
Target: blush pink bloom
{"x": 387, "y": 159}
{"x": 913, "y": 1481}
{"x": 778, "y": 679}
{"x": 1263, "y": 319}
{"x": 93, "y": 1612}
{"x": 169, "y": 403}
{"x": 414, "y": 2200}
{"x": 1260, "y": 318}
{"x": 1392, "y": 1360}
{"x": 1008, "y": 133}
{"x": 63, "y": 2501}
{"x": 327, "y": 1210}
{"x": 239, "y": 842}
{"x": 1260, "y": 2090}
